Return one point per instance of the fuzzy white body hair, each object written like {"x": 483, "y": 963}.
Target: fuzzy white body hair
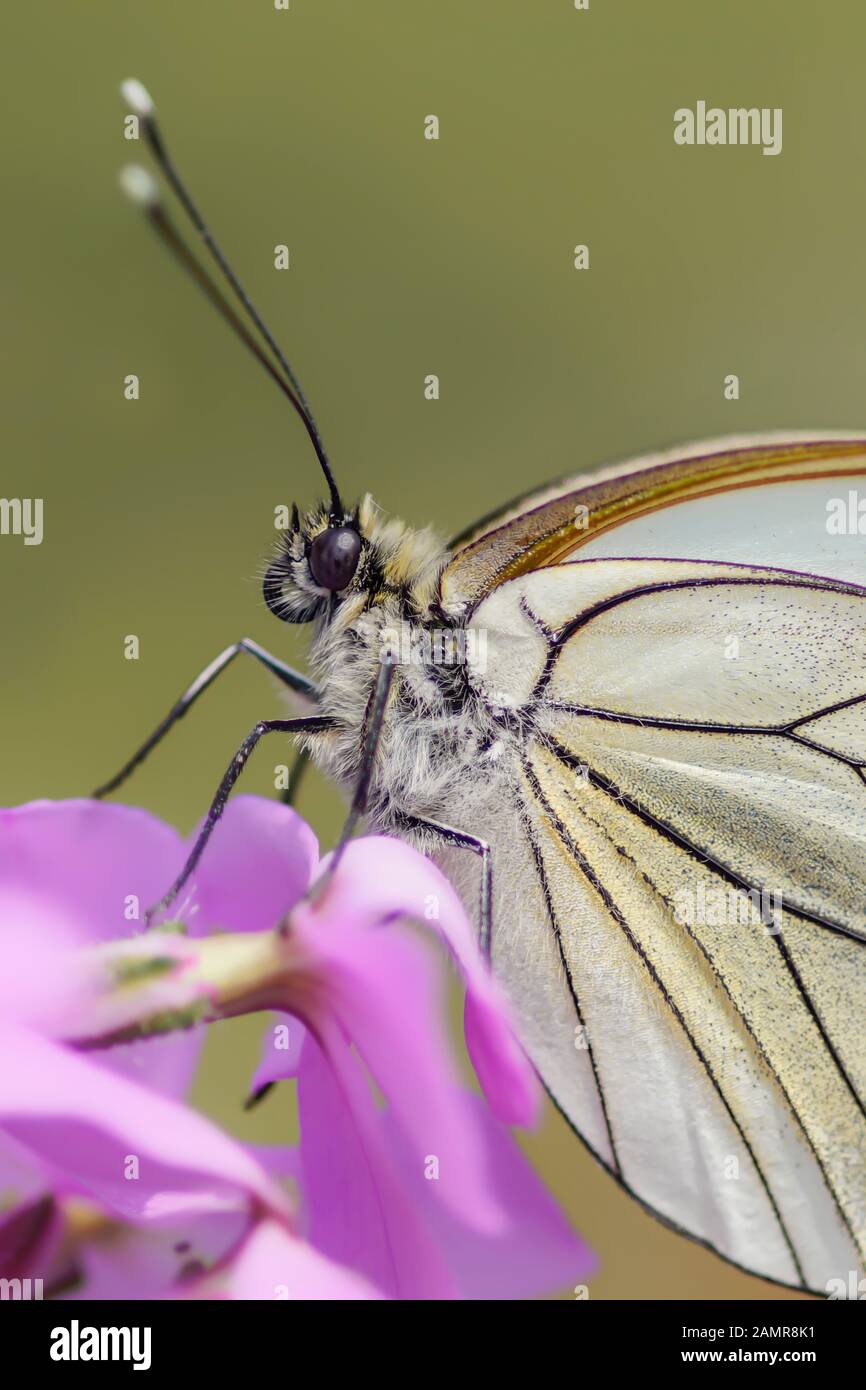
{"x": 429, "y": 742}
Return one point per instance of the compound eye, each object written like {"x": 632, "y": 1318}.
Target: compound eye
{"x": 334, "y": 556}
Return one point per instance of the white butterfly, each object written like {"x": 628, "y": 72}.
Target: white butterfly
{"x": 640, "y": 698}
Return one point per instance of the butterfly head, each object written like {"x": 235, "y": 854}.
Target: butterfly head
{"x": 327, "y": 562}
{"x": 317, "y": 563}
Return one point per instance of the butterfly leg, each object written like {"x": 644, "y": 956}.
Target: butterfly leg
{"x": 374, "y": 720}
{"x": 293, "y": 679}
{"x": 449, "y": 836}
{"x": 314, "y": 723}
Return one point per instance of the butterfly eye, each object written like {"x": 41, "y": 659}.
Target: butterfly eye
{"x": 334, "y": 557}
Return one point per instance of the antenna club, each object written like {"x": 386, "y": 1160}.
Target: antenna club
{"x": 139, "y": 186}
{"x": 137, "y": 96}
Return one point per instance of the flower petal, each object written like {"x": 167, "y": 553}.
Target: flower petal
{"x": 260, "y": 860}
{"x": 272, "y": 1264}
{"x": 356, "y": 1203}
{"x": 282, "y": 1043}
{"x": 386, "y": 989}
{"x": 380, "y": 879}
{"x": 535, "y": 1253}
{"x": 71, "y": 872}
{"x": 84, "y": 862}
{"x": 145, "y": 1261}
{"x": 135, "y": 1152}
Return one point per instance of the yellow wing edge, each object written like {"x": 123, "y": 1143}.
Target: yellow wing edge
{"x": 548, "y": 526}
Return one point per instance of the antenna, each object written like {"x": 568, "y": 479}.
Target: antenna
{"x": 138, "y": 185}
{"x": 141, "y": 188}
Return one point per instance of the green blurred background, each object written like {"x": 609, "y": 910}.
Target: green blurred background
{"x": 407, "y": 257}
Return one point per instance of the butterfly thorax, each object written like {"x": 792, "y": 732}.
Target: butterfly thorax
{"x": 434, "y": 727}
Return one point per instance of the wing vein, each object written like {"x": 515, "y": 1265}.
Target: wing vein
{"x": 676, "y": 837}
{"x": 557, "y": 932}
{"x": 618, "y": 917}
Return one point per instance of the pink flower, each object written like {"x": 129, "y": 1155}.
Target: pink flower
{"x": 112, "y": 1187}
{"x": 429, "y": 1198}
{"x": 424, "y": 1195}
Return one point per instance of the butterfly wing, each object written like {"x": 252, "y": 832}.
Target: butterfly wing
{"x": 597, "y": 513}
{"x": 681, "y": 885}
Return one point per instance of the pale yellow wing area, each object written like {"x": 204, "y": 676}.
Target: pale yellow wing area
{"x": 689, "y": 779}
{"x": 728, "y": 1112}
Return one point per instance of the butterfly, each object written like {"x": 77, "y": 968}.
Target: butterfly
{"x": 627, "y": 713}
